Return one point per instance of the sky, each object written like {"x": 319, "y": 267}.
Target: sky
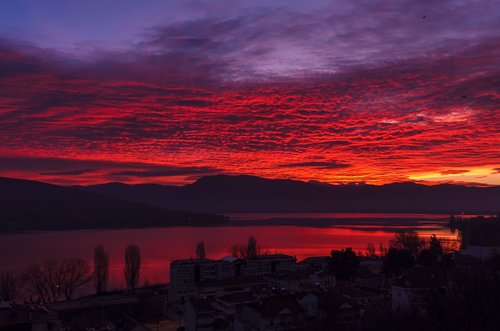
{"x": 342, "y": 91}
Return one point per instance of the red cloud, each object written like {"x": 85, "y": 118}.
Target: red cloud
{"x": 374, "y": 125}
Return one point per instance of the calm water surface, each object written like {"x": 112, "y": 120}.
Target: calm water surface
{"x": 159, "y": 246}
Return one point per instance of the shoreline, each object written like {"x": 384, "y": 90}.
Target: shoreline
{"x": 361, "y": 223}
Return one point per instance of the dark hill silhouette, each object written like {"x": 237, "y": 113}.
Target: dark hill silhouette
{"x": 223, "y": 193}
{"x": 30, "y": 205}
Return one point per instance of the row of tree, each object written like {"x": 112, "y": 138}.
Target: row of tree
{"x": 244, "y": 251}
{"x": 405, "y": 250}
{"x": 54, "y": 280}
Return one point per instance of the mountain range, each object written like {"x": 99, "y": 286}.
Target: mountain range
{"x": 31, "y": 205}
{"x": 242, "y": 193}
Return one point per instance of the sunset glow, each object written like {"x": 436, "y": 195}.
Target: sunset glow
{"x": 310, "y": 92}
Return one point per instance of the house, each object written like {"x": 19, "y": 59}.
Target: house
{"x": 309, "y": 301}
{"x": 199, "y": 315}
{"x": 273, "y": 313}
{"x": 412, "y": 291}
{"x": 317, "y": 262}
{"x": 228, "y": 304}
{"x": 324, "y": 279}
{"x": 366, "y": 277}
{"x": 483, "y": 253}
{"x": 342, "y": 313}
{"x": 362, "y": 297}
{"x": 290, "y": 281}
{"x": 28, "y": 317}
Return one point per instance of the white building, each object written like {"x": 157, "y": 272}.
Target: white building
{"x": 199, "y": 315}
{"x": 186, "y": 274}
{"x": 268, "y": 264}
{"x": 271, "y": 314}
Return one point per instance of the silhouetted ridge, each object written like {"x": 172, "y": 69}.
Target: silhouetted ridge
{"x": 242, "y": 193}
{"x": 31, "y": 205}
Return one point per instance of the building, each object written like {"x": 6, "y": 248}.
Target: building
{"x": 221, "y": 287}
{"x": 324, "y": 279}
{"x": 28, "y": 317}
{"x": 317, "y": 262}
{"x": 309, "y": 301}
{"x": 290, "y": 281}
{"x": 412, "y": 291}
{"x": 199, "y": 315}
{"x": 186, "y": 274}
{"x": 268, "y": 264}
{"x": 483, "y": 253}
{"x": 273, "y": 313}
{"x": 341, "y": 313}
{"x": 228, "y": 304}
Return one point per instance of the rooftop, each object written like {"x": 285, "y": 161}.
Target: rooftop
{"x": 422, "y": 277}
{"x": 290, "y": 275}
{"x": 272, "y": 257}
{"x": 233, "y": 281}
{"x": 278, "y": 304}
{"x": 240, "y": 297}
{"x": 202, "y": 305}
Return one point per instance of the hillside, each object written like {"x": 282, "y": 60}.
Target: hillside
{"x": 30, "y": 205}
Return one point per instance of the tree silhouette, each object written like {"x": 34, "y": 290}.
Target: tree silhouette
{"x": 252, "y": 250}
{"x": 53, "y": 280}
{"x": 435, "y": 245}
{"x": 75, "y": 273}
{"x": 370, "y": 249}
{"x": 397, "y": 261}
{"x": 101, "y": 269}
{"x": 200, "y": 250}
{"x": 381, "y": 249}
{"x": 10, "y": 286}
{"x": 345, "y": 263}
{"x": 234, "y": 250}
{"x": 132, "y": 267}
{"x": 408, "y": 240}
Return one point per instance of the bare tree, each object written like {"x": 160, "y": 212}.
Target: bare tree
{"x": 200, "y": 250}
{"x": 381, "y": 249}
{"x": 132, "y": 267}
{"x": 101, "y": 269}
{"x": 246, "y": 251}
{"x": 234, "y": 250}
{"x": 53, "y": 280}
{"x": 370, "y": 249}
{"x": 10, "y": 286}
{"x": 74, "y": 274}
{"x": 252, "y": 249}
{"x": 37, "y": 284}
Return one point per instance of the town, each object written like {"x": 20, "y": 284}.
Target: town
{"x": 416, "y": 282}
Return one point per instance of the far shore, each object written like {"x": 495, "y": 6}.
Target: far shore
{"x": 360, "y": 223}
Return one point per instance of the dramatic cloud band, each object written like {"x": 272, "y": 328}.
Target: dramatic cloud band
{"x": 372, "y": 92}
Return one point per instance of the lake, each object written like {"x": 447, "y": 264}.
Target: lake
{"x": 159, "y": 246}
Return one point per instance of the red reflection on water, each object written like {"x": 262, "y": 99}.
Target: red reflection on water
{"x": 160, "y": 246}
